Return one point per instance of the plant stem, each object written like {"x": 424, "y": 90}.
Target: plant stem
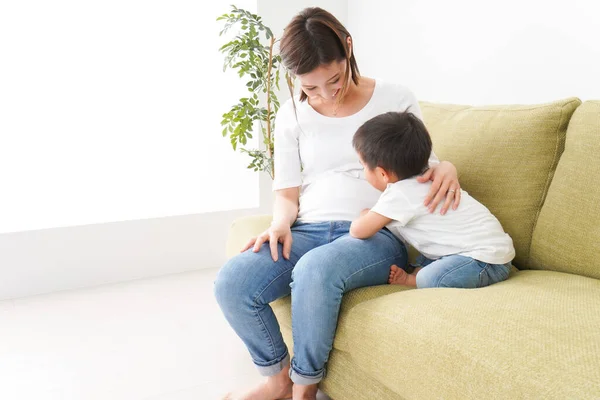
{"x": 269, "y": 150}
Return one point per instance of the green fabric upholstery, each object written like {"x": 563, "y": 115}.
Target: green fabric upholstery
{"x": 567, "y": 234}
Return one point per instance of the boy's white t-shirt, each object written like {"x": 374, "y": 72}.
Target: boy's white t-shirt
{"x": 471, "y": 230}
{"x": 315, "y": 152}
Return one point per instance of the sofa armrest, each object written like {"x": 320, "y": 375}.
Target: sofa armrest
{"x": 243, "y": 229}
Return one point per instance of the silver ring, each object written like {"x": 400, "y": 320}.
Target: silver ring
{"x": 451, "y": 191}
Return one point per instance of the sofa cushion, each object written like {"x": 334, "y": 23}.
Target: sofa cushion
{"x": 505, "y": 156}
{"x": 533, "y": 336}
{"x": 567, "y": 235}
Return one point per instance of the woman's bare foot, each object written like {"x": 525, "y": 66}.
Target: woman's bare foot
{"x": 398, "y": 276}
{"x": 273, "y": 388}
{"x": 305, "y": 392}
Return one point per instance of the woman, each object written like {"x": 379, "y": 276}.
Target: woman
{"x": 320, "y": 188}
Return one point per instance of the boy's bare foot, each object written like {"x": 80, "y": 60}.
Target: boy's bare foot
{"x": 398, "y": 276}
{"x": 305, "y": 392}
{"x": 273, "y": 388}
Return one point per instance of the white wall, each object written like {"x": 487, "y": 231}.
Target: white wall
{"x": 481, "y": 52}
{"x": 35, "y": 262}
{"x": 41, "y": 261}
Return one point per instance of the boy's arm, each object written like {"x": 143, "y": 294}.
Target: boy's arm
{"x": 368, "y": 224}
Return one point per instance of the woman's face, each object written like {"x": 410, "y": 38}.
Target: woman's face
{"x": 325, "y": 82}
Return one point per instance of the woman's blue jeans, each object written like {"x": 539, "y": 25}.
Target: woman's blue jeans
{"x": 325, "y": 262}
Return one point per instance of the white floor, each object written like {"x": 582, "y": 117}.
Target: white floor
{"x": 155, "y": 339}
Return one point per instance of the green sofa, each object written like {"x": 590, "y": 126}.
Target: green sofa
{"x": 534, "y": 336}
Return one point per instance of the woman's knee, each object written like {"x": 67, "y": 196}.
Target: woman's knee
{"x": 308, "y": 272}
{"x": 230, "y": 286}
{"x": 222, "y": 283}
{"x": 316, "y": 272}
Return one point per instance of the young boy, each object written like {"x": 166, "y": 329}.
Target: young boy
{"x": 466, "y": 248}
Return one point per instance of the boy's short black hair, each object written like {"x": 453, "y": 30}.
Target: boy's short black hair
{"x": 398, "y": 142}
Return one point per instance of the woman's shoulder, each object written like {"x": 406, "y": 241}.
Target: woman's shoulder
{"x": 287, "y": 110}
{"x": 396, "y": 96}
{"x": 290, "y": 114}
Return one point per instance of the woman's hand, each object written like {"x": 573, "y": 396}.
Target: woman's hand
{"x": 277, "y": 232}
{"x": 445, "y": 185}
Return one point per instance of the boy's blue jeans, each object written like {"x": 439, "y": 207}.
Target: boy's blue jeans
{"x": 325, "y": 262}
{"x": 459, "y": 272}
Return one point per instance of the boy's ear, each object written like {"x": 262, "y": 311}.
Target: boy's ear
{"x": 388, "y": 177}
{"x": 382, "y": 173}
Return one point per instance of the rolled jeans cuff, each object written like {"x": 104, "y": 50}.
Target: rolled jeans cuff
{"x": 276, "y": 367}
{"x": 301, "y": 378}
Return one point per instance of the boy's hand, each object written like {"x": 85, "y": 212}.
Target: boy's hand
{"x": 364, "y": 212}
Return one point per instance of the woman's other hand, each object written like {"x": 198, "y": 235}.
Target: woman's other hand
{"x": 277, "y": 232}
{"x": 445, "y": 186}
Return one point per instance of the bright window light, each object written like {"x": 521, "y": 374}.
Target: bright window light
{"x": 110, "y": 110}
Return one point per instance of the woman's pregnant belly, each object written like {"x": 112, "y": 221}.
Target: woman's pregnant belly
{"x": 336, "y": 196}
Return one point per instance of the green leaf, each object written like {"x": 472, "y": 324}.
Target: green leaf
{"x": 247, "y": 55}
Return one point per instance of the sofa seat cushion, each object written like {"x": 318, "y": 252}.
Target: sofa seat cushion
{"x": 536, "y": 335}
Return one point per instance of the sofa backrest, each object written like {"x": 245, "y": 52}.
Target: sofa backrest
{"x": 567, "y": 234}
{"x": 505, "y": 156}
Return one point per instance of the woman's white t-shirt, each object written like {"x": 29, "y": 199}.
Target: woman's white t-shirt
{"x": 471, "y": 230}
{"x": 315, "y": 152}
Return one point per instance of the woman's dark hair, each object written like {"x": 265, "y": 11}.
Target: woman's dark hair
{"x": 398, "y": 142}
{"x": 315, "y": 37}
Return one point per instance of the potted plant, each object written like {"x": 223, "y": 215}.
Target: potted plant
{"x": 259, "y": 65}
